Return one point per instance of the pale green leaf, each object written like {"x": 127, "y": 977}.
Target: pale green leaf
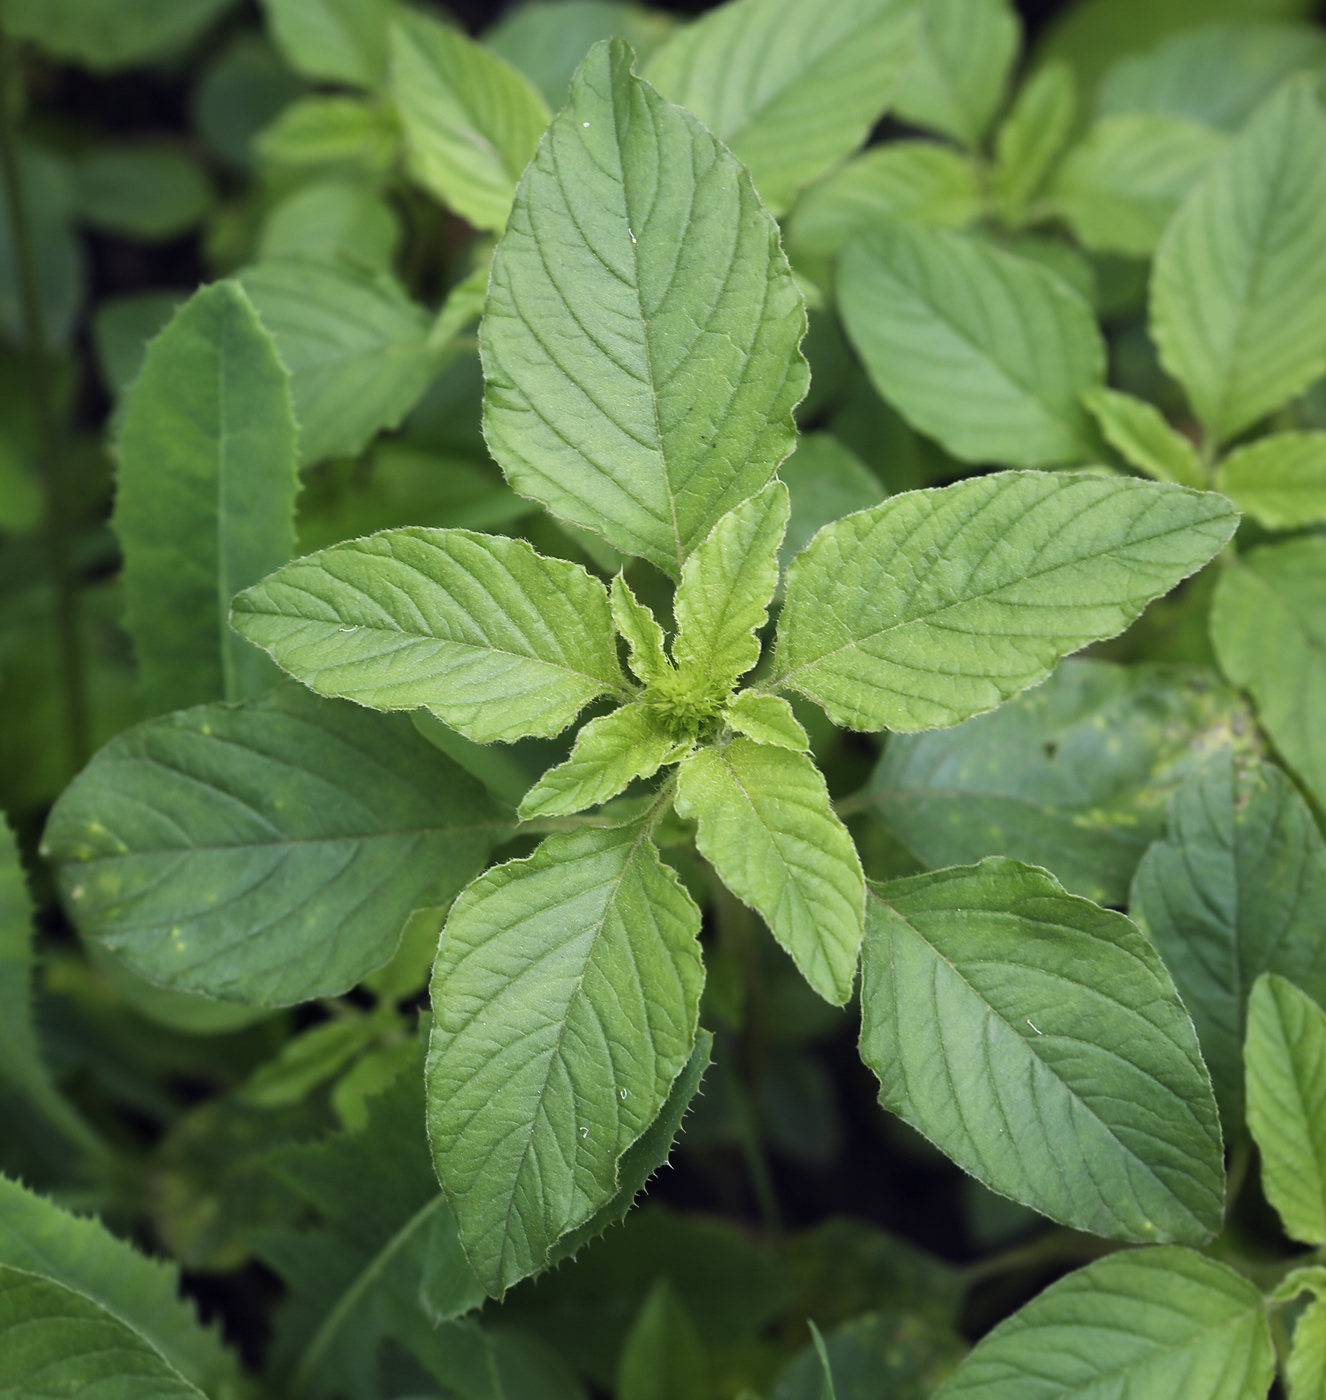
{"x": 1119, "y": 188}
{"x": 1238, "y": 310}
{"x": 1305, "y": 1371}
{"x": 205, "y": 497}
{"x": 341, "y": 41}
{"x": 957, "y": 76}
{"x": 267, "y": 852}
{"x": 471, "y": 120}
{"x": 723, "y": 598}
{"x": 939, "y": 604}
{"x": 565, "y": 1000}
{"x": 981, "y": 349}
{"x": 496, "y": 640}
{"x": 663, "y": 1357}
{"x": 1279, "y": 481}
{"x": 333, "y": 221}
{"x": 1075, "y": 775}
{"x": 790, "y": 88}
{"x": 1285, "y": 1057}
{"x": 1032, "y": 137}
{"x": 768, "y": 719}
{"x": 766, "y": 826}
{"x": 336, "y": 135}
{"x": 463, "y": 306}
{"x": 609, "y": 753}
{"x": 1233, "y": 890}
{"x": 1138, "y": 431}
{"x": 640, "y": 340}
{"x": 643, "y": 635}
{"x": 1145, "y": 1324}
{"x": 140, "y": 190}
{"x": 1268, "y": 626}
{"x": 355, "y": 345}
{"x": 1037, "y": 1040}
{"x": 1309, "y": 1279}
{"x": 825, "y": 481}
{"x": 110, "y": 34}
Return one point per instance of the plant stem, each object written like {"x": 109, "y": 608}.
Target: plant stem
{"x": 55, "y": 479}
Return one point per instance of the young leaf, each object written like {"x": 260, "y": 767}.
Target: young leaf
{"x": 1237, "y": 307}
{"x": 766, "y": 826}
{"x": 108, "y": 34}
{"x": 1279, "y": 481}
{"x": 791, "y": 88}
{"x": 332, "y": 135}
{"x": 640, "y": 341}
{"x": 1268, "y": 626}
{"x": 1138, "y": 430}
{"x": 1285, "y": 1057}
{"x": 640, "y": 629}
{"x": 1032, "y": 137}
{"x": 957, "y": 76}
{"x": 496, "y": 640}
{"x": 565, "y": 999}
{"x": 1141, "y": 1323}
{"x": 768, "y": 719}
{"x": 609, "y": 752}
{"x": 339, "y": 41}
{"x": 939, "y": 604}
{"x": 979, "y": 348}
{"x": 267, "y": 852}
{"x": 663, "y": 1358}
{"x": 205, "y": 498}
{"x": 471, "y": 120}
{"x": 723, "y": 598}
{"x": 1037, "y": 1040}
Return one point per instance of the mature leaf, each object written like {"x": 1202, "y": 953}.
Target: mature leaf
{"x": 825, "y": 481}
{"x": 766, "y": 826}
{"x": 79, "y": 1253}
{"x": 640, "y": 341}
{"x": 1031, "y": 138}
{"x": 1238, "y": 293}
{"x": 355, "y": 346}
{"x": 565, "y": 998}
{"x": 471, "y": 120}
{"x": 939, "y": 604}
{"x": 1075, "y": 775}
{"x": 137, "y": 190}
{"x": 609, "y": 753}
{"x": 791, "y": 88}
{"x": 494, "y": 639}
{"x": 1285, "y": 1057}
{"x": 205, "y": 498}
{"x": 1268, "y": 625}
{"x": 1037, "y": 1040}
{"x": 897, "y": 1354}
{"x": 979, "y": 348}
{"x": 640, "y": 629}
{"x": 1142, "y": 1323}
{"x": 267, "y": 852}
{"x": 110, "y": 34}
{"x": 663, "y": 1357}
{"x": 1139, "y": 431}
{"x": 1280, "y": 481}
{"x": 723, "y": 598}
{"x": 341, "y": 41}
{"x": 768, "y": 719}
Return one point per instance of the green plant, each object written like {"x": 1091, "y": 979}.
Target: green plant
{"x": 735, "y": 368}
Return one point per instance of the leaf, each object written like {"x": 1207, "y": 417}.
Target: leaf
{"x": 640, "y": 340}
{"x": 1075, "y": 775}
{"x": 766, "y": 826}
{"x": 494, "y": 639}
{"x": 1144, "y": 1323}
{"x": 1305, "y": 1371}
{"x": 939, "y": 604}
{"x": 1121, "y": 185}
{"x": 1037, "y": 1040}
{"x": 109, "y": 34}
{"x": 1285, "y": 1057}
{"x": 980, "y": 349}
{"x": 609, "y": 753}
{"x": 79, "y": 1253}
{"x": 768, "y": 719}
{"x": 640, "y": 629}
{"x": 1031, "y": 138}
{"x": 893, "y": 1353}
{"x": 137, "y": 190}
{"x": 123, "y": 326}
{"x": 825, "y": 481}
{"x": 340, "y": 41}
{"x": 663, "y": 1358}
{"x": 1268, "y": 626}
{"x": 723, "y": 598}
{"x": 308, "y": 1060}
{"x": 331, "y": 136}
{"x": 1139, "y": 431}
{"x": 205, "y": 496}
{"x": 1236, "y": 310}
{"x": 471, "y": 120}
{"x": 268, "y": 852}
{"x": 565, "y": 997}
{"x": 957, "y": 78}
{"x": 1280, "y": 481}
{"x": 791, "y": 109}
{"x": 355, "y": 346}
{"x": 332, "y": 221}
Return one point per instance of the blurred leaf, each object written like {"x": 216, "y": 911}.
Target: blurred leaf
{"x": 48, "y": 199}
{"x": 1138, "y": 430}
{"x": 308, "y": 1060}
{"x": 663, "y": 1358}
{"x": 1031, "y": 138}
{"x": 239, "y": 93}
{"x": 139, "y": 190}
{"x": 333, "y": 221}
{"x": 1279, "y": 480}
{"x": 406, "y": 975}
{"x": 121, "y": 329}
{"x": 20, "y": 495}
{"x": 882, "y": 1356}
{"x": 825, "y": 481}
{"x": 332, "y": 40}
{"x": 110, "y": 34}
{"x": 345, "y": 135}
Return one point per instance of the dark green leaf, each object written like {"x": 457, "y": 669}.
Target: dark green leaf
{"x": 893, "y": 1354}
{"x": 110, "y": 34}
{"x": 663, "y": 1357}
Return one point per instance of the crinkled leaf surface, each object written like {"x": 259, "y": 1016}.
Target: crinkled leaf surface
{"x": 267, "y": 852}
{"x": 1279, "y": 480}
{"x": 640, "y": 340}
{"x": 1139, "y": 431}
{"x": 768, "y": 719}
{"x": 939, "y": 604}
{"x": 342, "y": 41}
{"x": 565, "y": 1002}
{"x": 1037, "y": 1040}
{"x": 496, "y": 640}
